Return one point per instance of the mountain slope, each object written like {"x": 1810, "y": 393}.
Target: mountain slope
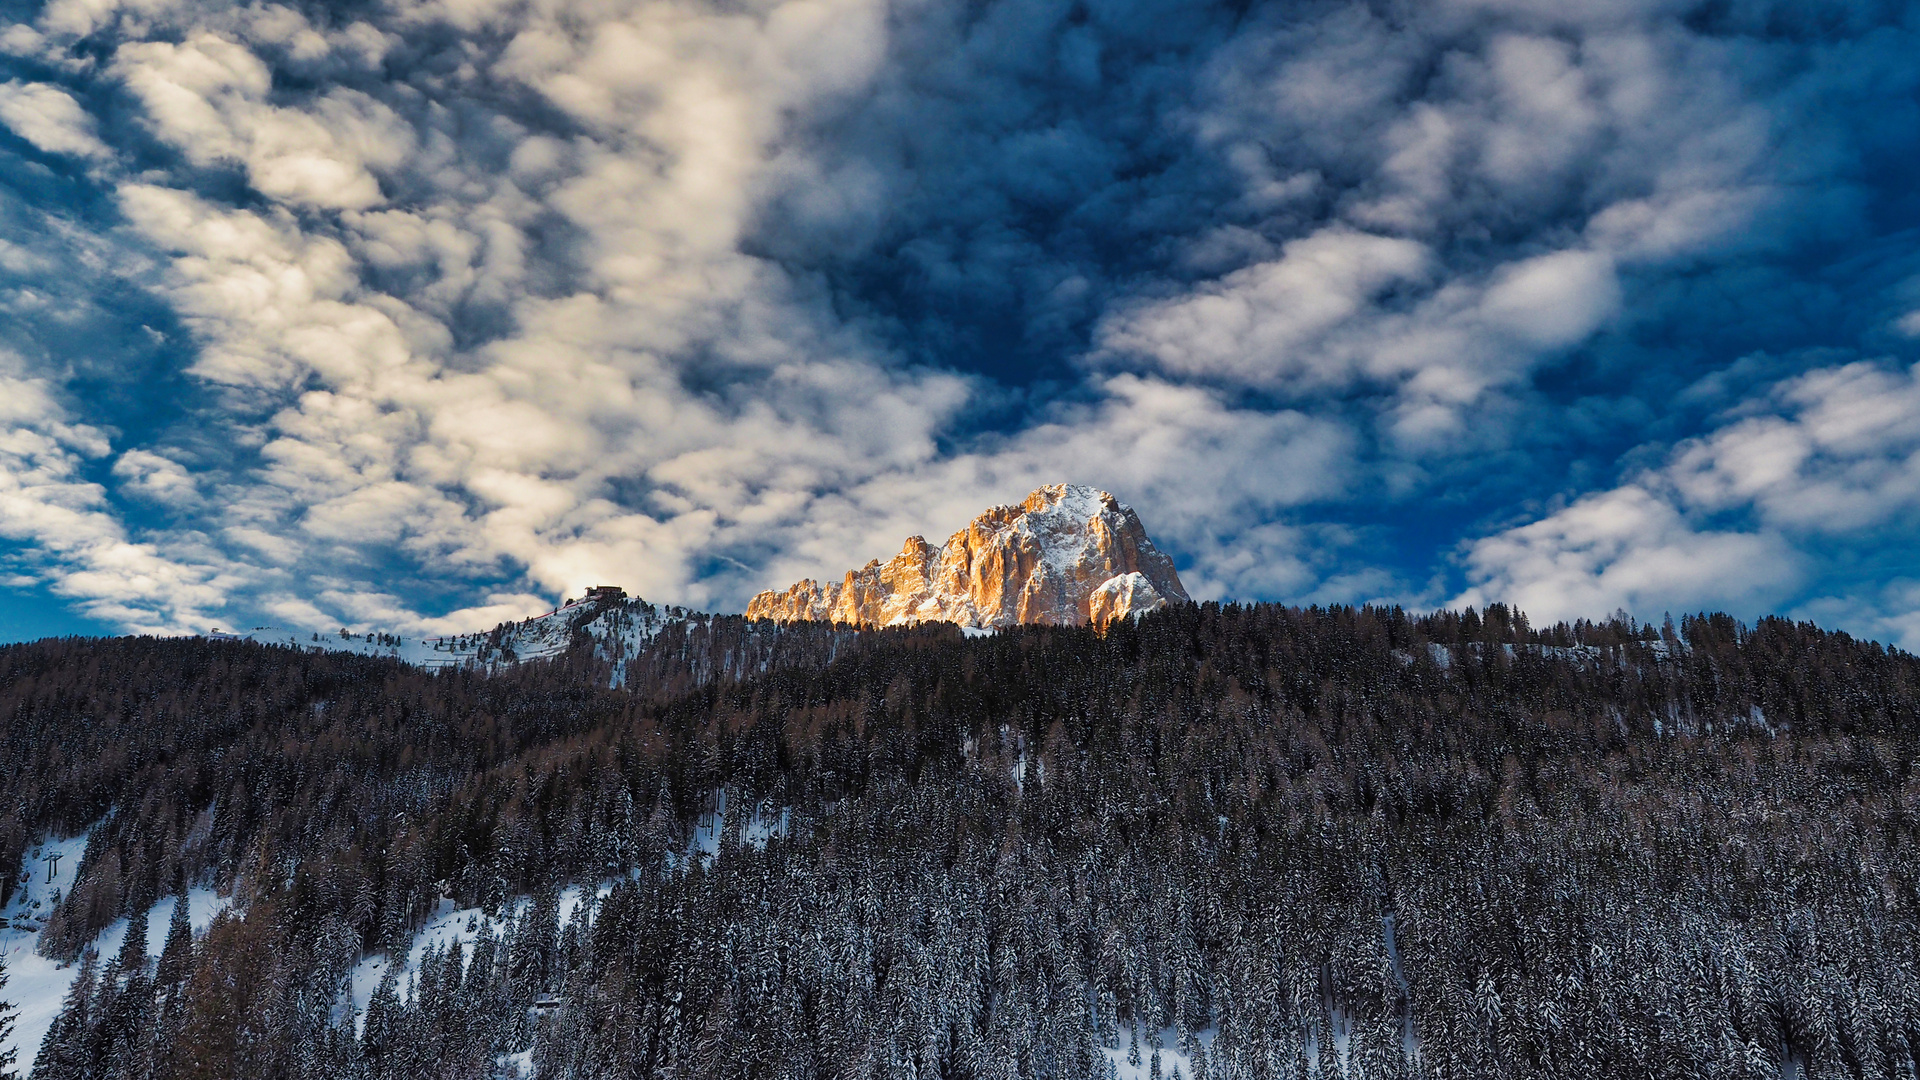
{"x": 1244, "y": 841}
{"x": 617, "y": 626}
{"x": 1065, "y": 556}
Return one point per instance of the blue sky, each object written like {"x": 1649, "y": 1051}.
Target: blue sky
{"x": 418, "y": 316}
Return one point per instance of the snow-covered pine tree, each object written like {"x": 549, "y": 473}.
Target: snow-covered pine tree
{"x": 132, "y": 959}
{"x": 381, "y": 1026}
{"x": 67, "y": 1052}
{"x": 8, "y": 1014}
{"x": 176, "y": 952}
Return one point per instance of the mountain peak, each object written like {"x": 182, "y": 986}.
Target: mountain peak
{"x": 1065, "y": 555}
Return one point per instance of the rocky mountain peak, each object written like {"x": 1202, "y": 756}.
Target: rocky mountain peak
{"x": 1065, "y": 555}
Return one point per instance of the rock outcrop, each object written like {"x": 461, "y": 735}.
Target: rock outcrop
{"x": 1067, "y": 555}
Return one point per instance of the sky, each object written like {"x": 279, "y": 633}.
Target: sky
{"x": 419, "y": 316}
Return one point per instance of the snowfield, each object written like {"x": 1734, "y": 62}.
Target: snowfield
{"x": 38, "y": 985}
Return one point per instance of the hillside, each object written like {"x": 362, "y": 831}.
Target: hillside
{"x": 1219, "y": 841}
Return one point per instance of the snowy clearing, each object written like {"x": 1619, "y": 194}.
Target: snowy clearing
{"x": 37, "y": 985}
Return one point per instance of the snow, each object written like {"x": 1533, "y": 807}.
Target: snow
{"x": 619, "y": 630}
{"x": 445, "y": 926}
{"x": 1063, "y": 530}
{"x": 1130, "y": 593}
{"x": 424, "y": 653}
{"x": 762, "y": 825}
{"x": 706, "y": 835}
{"x": 202, "y": 905}
{"x": 1571, "y": 652}
{"x": 39, "y": 985}
{"x": 34, "y": 983}
{"x": 1666, "y": 651}
{"x": 1174, "y": 1062}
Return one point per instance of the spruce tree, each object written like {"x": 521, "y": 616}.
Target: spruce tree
{"x": 8, "y": 1056}
{"x": 382, "y": 1024}
{"x": 66, "y": 1052}
{"x": 176, "y": 953}
{"x": 133, "y": 948}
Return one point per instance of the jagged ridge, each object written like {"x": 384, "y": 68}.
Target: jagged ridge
{"x": 1066, "y": 555}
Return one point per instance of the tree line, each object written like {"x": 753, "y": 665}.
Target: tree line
{"x": 1285, "y": 842}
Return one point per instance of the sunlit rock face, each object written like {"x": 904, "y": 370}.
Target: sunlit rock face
{"x": 1067, "y": 555}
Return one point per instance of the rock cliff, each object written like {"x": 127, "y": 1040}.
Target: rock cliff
{"x": 1067, "y": 555}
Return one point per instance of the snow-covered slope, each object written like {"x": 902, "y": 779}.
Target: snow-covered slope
{"x": 1066, "y": 555}
{"x": 619, "y": 627}
{"x": 38, "y": 986}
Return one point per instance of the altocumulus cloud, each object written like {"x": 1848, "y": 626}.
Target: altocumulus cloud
{"x": 417, "y": 315}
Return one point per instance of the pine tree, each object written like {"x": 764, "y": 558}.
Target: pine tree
{"x": 176, "y": 953}
{"x": 8, "y": 1056}
{"x": 133, "y": 948}
{"x": 381, "y": 1028}
{"x": 66, "y": 1052}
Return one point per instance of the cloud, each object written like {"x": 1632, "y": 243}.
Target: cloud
{"x": 207, "y": 97}
{"x": 1162, "y": 447}
{"x": 269, "y": 302}
{"x": 571, "y": 445}
{"x": 1552, "y": 301}
{"x": 410, "y": 315}
{"x": 1627, "y": 548}
{"x": 1310, "y": 324}
{"x": 1265, "y": 324}
{"x": 48, "y": 505}
{"x": 1842, "y": 456}
{"x": 50, "y": 119}
{"x": 1824, "y": 469}
{"x": 1887, "y": 611}
{"x": 153, "y": 476}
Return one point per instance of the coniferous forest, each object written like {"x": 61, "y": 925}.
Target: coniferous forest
{"x": 1257, "y": 841}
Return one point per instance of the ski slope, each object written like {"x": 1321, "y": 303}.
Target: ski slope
{"x": 38, "y": 986}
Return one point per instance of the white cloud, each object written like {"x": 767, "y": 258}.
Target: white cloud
{"x": 1886, "y": 611}
{"x": 1627, "y": 548}
{"x": 1312, "y": 322}
{"x": 270, "y": 302}
{"x": 1194, "y": 467}
{"x": 207, "y": 96}
{"x": 1591, "y": 140}
{"x": 515, "y": 318}
{"x": 74, "y": 540}
{"x": 1266, "y": 324}
{"x": 1843, "y": 455}
{"x": 153, "y": 476}
{"x": 50, "y": 119}
{"x": 1831, "y": 460}
{"x": 573, "y": 447}
{"x": 1553, "y": 301}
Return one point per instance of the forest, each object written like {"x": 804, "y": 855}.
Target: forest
{"x": 1223, "y": 842}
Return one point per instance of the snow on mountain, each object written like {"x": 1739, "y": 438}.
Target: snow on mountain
{"x": 38, "y": 986}
{"x": 618, "y": 627}
{"x": 1066, "y": 555}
